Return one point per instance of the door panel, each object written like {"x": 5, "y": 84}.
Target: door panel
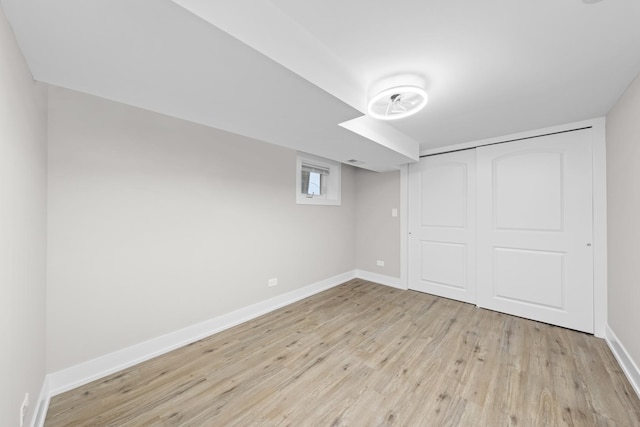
{"x": 527, "y": 179}
{"x": 444, "y": 263}
{"x": 534, "y": 229}
{"x": 543, "y": 284}
{"x": 442, "y": 225}
{"x": 445, "y": 184}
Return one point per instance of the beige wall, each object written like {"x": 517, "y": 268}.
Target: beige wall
{"x": 623, "y": 219}
{"x": 22, "y": 231}
{"x": 377, "y": 232}
{"x": 156, "y": 224}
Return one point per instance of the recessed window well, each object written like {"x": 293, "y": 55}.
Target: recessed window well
{"x": 318, "y": 181}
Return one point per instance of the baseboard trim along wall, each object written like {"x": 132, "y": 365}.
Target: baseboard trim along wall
{"x": 40, "y": 413}
{"x": 394, "y": 282}
{"x": 91, "y": 370}
{"x": 624, "y": 360}
{"x": 83, "y": 373}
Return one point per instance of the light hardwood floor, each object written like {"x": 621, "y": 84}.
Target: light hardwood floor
{"x": 363, "y": 354}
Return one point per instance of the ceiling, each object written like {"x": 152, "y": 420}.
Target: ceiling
{"x": 298, "y": 73}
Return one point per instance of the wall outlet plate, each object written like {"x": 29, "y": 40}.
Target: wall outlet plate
{"x": 273, "y": 282}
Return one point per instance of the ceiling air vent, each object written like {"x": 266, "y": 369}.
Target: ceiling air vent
{"x": 355, "y": 162}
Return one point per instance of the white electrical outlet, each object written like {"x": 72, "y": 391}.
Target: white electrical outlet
{"x": 23, "y": 409}
{"x": 394, "y": 212}
{"x": 273, "y": 282}
{"x": 380, "y": 263}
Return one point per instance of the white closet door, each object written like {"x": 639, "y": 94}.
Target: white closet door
{"x": 535, "y": 229}
{"x": 442, "y": 225}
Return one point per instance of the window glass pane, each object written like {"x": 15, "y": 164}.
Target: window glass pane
{"x": 311, "y": 183}
{"x": 314, "y": 183}
{"x": 305, "y": 182}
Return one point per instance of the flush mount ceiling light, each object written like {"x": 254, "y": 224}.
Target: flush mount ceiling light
{"x": 397, "y": 102}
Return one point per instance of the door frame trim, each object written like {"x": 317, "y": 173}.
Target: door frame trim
{"x": 599, "y": 163}
{"x": 404, "y": 226}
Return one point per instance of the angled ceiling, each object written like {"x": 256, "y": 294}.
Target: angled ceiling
{"x": 298, "y": 73}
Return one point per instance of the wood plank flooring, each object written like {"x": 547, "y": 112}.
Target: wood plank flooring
{"x": 363, "y": 354}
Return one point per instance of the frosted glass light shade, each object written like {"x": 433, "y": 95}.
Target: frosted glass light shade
{"x": 397, "y": 102}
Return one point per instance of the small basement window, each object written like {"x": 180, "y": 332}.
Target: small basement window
{"x": 317, "y": 181}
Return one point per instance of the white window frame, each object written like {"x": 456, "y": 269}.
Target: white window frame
{"x": 332, "y": 181}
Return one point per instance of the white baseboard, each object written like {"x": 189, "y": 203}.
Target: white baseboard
{"x": 91, "y": 370}
{"x": 625, "y": 361}
{"x": 42, "y": 405}
{"x": 75, "y": 376}
{"x": 394, "y": 282}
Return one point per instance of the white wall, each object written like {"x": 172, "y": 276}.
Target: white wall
{"x": 22, "y": 231}
{"x": 156, "y": 224}
{"x": 377, "y": 232}
{"x": 623, "y": 194}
